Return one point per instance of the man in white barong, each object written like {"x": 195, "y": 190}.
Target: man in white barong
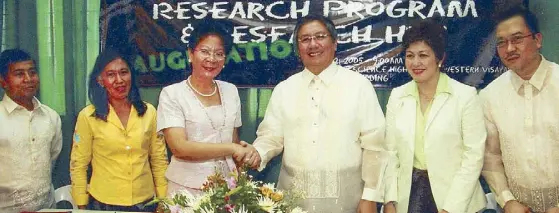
{"x": 328, "y": 122}
{"x": 522, "y": 119}
{"x": 30, "y": 137}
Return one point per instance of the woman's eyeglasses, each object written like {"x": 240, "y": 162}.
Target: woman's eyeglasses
{"x": 206, "y": 54}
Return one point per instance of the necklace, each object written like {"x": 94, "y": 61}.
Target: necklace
{"x": 198, "y": 92}
{"x": 214, "y": 127}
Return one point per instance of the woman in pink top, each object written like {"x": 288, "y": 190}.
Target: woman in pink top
{"x": 200, "y": 116}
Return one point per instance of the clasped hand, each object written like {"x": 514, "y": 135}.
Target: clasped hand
{"x": 245, "y": 153}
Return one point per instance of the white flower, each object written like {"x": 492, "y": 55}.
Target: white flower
{"x": 252, "y": 184}
{"x": 175, "y": 209}
{"x": 297, "y": 210}
{"x": 205, "y": 210}
{"x": 197, "y": 201}
{"x": 210, "y": 192}
{"x": 269, "y": 185}
{"x": 241, "y": 209}
{"x": 180, "y": 209}
{"x": 187, "y": 194}
{"x": 266, "y": 204}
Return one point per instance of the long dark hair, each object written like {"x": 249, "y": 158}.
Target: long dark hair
{"x": 98, "y": 95}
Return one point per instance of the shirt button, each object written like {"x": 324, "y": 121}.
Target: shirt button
{"x": 127, "y": 147}
{"x": 315, "y": 124}
{"x": 33, "y": 139}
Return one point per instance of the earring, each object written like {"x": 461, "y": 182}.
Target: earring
{"x": 440, "y": 65}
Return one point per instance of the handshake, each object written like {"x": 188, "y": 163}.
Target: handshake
{"x": 245, "y": 153}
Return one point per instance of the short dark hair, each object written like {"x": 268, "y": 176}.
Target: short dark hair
{"x": 429, "y": 31}
{"x": 11, "y": 56}
{"x": 310, "y": 18}
{"x": 98, "y": 94}
{"x": 209, "y": 26}
{"x": 518, "y": 10}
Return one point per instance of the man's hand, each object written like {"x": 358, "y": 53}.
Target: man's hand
{"x": 389, "y": 208}
{"x": 253, "y": 158}
{"x": 366, "y": 206}
{"x": 513, "y": 206}
{"x": 553, "y": 210}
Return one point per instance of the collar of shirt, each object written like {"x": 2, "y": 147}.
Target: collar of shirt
{"x": 10, "y": 105}
{"x": 326, "y": 76}
{"x": 112, "y": 117}
{"x": 537, "y": 79}
{"x": 442, "y": 87}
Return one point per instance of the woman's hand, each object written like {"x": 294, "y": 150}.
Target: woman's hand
{"x": 240, "y": 151}
{"x": 245, "y": 153}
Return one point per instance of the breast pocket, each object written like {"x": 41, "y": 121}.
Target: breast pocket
{"x": 6, "y": 133}
{"x": 147, "y": 131}
{"x": 292, "y": 112}
{"x": 43, "y": 132}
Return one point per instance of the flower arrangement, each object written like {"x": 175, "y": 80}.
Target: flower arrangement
{"x": 237, "y": 193}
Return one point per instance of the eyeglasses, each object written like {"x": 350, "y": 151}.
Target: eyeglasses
{"x": 205, "y": 53}
{"x": 518, "y": 39}
{"x": 306, "y": 39}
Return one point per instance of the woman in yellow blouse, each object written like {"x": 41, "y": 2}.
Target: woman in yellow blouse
{"x": 435, "y": 133}
{"x": 117, "y": 135}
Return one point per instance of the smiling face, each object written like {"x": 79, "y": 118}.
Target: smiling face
{"x": 421, "y": 63}
{"x": 208, "y": 57}
{"x": 21, "y": 82}
{"x": 116, "y": 79}
{"x": 319, "y": 52}
{"x": 521, "y": 57}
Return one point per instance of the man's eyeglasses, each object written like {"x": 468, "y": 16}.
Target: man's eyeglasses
{"x": 308, "y": 38}
{"x": 517, "y": 39}
{"x": 205, "y": 53}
